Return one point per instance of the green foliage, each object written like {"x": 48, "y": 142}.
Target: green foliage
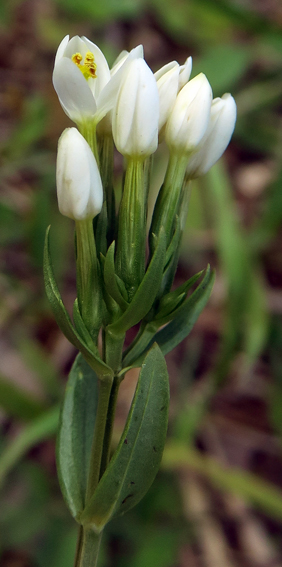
{"x": 137, "y": 458}
{"x": 76, "y": 433}
{"x": 63, "y": 318}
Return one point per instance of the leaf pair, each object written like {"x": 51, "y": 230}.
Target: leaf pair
{"x": 136, "y": 460}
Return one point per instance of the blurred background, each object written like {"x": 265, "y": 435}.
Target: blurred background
{"x": 217, "y": 500}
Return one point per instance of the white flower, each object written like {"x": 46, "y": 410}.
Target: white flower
{"x": 217, "y": 137}
{"x": 189, "y": 117}
{"x": 79, "y": 186}
{"x": 170, "y": 79}
{"x": 136, "y": 112}
{"x": 82, "y": 79}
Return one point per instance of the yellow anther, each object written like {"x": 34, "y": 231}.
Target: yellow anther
{"x": 89, "y": 66}
{"x": 77, "y": 58}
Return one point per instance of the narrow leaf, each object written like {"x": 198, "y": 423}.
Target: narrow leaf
{"x": 147, "y": 291}
{"x": 75, "y": 435}
{"x": 63, "y": 319}
{"x": 137, "y": 458}
{"x": 110, "y": 278}
{"x": 172, "y": 300}
{"x": 171, "y": 335}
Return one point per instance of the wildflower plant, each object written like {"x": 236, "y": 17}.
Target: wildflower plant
{"x": 124, "y": 276}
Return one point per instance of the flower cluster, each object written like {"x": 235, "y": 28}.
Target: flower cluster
{"x": 136, "y": 109}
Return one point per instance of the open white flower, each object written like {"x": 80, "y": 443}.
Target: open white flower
{"x": 82, "y": 79}
{"x": 189, "y": 117}
{"x": 136, "y": 112}
{"x": 79, "y": 185}
{"x": 217, "y": 137}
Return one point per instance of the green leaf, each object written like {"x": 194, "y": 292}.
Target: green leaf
{"x": 170, "y": 302}
{"x": 146, "y": 292}
{"x": 110, "y": 278}
{"x": 63, "y": 319}
{"x": 184, "y": 318}
{"x": 168, "y": 309}
{"x": 80, "y": 326}
{"x": 75, "y": 435}
{"x": 169, "y": 337}
{"x": 137, "y": 458}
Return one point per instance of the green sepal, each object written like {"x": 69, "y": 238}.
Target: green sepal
{"x": 174, "y": 243}
{"x": 184, "y": 318}
{"x": 110, "y": 278}
{"x": 146, "y": 293}
{"x": 63, "y": 319}
{"x": 170, "y": 304}
{"x": 138, "y": 455}
{"x": 82, "y": 329}
{"x": 100, "y": 229}
{"x": 77, "y": 420}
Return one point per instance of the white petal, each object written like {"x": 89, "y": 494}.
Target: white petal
{"x": 73, "y": 91}
{"x": 167, "y": 84}
{"x": 163, "y": 70}
{"x": 103, "y": 72}
{"x": 107, "y": 97}
{"x": 75, "y": 45}
{"x": 185, "y": 72}
{"x": 61, "y": 49}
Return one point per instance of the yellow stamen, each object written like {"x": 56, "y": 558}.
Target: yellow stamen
{"x": 89, "y": 66}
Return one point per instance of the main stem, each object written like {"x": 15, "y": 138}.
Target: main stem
{"x": 88, "y": 546}
{"x": 88, "y": 540}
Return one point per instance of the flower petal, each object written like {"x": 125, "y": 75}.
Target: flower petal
{"x": 73, "y": 91}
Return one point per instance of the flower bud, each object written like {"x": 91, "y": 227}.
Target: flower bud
{"x": 136, "y": 111}
{"x": 167, "y": 82}
{"x": 184, "y": 73}
{"x": 189, "y": 117}
{"x": 217, "y": 137}
{"x": 79, "y": 186}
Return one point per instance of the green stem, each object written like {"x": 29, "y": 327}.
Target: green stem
{"x": 167, "y": 203}
{"x": 88, "y": 131}
{"x": 88, "y": 545}
{"x": 110, "y": 425}
{"x": 131, "y": 244}
{"x": 105, "y": 387}
{"x": 88, "y": 285}
{"x": 106, "y": 152}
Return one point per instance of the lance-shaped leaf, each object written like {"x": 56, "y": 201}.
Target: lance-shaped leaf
{"x": 172, "y": 300}
{"x": 181, "y": 323}
{"x": 186, "y": 316}
{"x": 63, "y": 319}
{"x": 137, "y": 458}
{"x": 110, "y": 278}
{"x": 75, "y": 434}
{"x": 146, "y": 292}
